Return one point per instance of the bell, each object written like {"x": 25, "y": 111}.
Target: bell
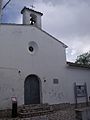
{"x": 32, "y": 20}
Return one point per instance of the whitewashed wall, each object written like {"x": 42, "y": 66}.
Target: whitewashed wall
{"x": 48, "y": 62}
{"x": 80, "y": 76}
{"x": 10, "y": 86}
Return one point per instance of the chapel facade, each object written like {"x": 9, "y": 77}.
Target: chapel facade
{"x": 33, "y": 66}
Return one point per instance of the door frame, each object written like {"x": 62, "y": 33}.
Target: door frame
{"x": 40, "y": 85}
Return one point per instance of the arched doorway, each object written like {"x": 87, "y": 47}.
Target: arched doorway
{"x": 32, "y": 90}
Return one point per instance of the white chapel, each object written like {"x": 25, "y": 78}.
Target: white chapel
{"x": 33, "y": 65}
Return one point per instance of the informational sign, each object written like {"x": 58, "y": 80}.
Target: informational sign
{"x": 81, "y": 90}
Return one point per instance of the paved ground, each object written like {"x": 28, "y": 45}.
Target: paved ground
{"x": 59, "y": 115}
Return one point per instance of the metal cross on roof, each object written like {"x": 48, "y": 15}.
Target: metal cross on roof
{"x": 32, "y": 6}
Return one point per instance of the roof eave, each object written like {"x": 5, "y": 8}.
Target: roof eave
{"x": 71, "y": 64}
{"x": 30, "y": 10}
{"x": 64, "y": 45}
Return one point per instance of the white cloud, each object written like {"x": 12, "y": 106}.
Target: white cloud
{"x": 69, "y": 24}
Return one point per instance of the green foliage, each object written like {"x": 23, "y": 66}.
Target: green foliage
{"x": 83, "y": 59}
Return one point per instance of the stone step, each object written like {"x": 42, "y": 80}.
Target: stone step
{"x": 34, "y": 110}
{"x": 33, "y": 106}
{"x": 33, "y": 114}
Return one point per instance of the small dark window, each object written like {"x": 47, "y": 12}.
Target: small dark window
{"x": 31, "y": 49}
{"x": 55, "y": 81}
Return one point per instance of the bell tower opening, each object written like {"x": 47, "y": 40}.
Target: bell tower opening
{"x": 31, "y": 17}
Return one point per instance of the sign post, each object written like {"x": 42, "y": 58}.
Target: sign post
{"x": 80, "y": 91}
{"x": 14, "y": 107}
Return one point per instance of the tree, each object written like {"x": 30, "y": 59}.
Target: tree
{"x": 83, "y": 59}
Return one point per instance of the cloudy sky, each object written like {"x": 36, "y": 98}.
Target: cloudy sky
{"x": 67, "y": 20}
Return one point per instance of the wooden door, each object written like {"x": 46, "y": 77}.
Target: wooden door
{"x": 32, "y": 90}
